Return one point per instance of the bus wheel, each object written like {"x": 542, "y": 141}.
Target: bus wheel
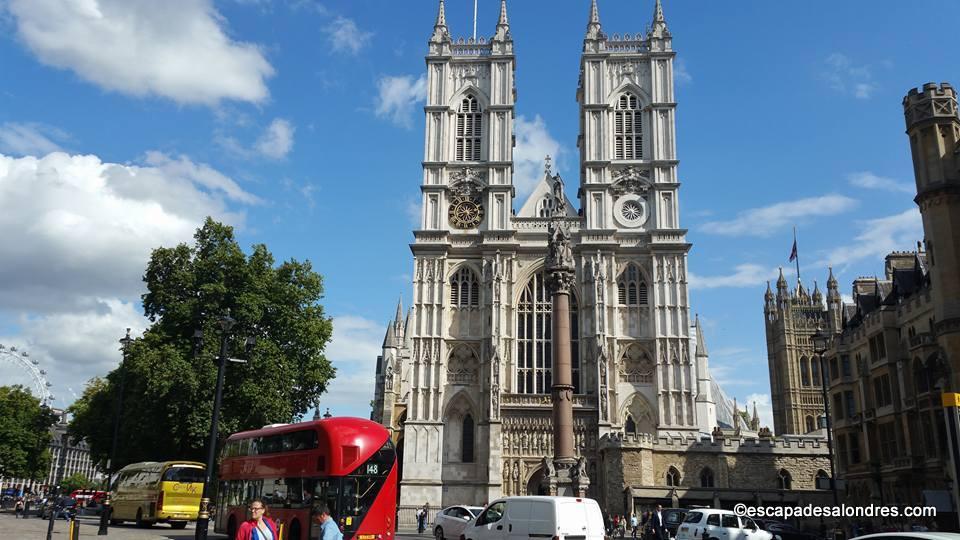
{"x": 232, "y": 529}
{"x": 294, "y": 531}
{"x": 178, "y": 524}
{"x": 140, "y": 521}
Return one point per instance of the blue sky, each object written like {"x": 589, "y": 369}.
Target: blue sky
{"x": 123, "y": 123}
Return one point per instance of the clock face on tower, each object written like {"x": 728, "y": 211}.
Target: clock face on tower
{"x": 466, "y": 212}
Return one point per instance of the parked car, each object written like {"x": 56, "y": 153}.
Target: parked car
{"x": 784, "y": 531}
{"x": 910, "y": 536}
{"x": 450, "y": 521}
{"x": 537, "y": 517}
{"x": 672, "y": 518}
{"x": 719, "y": 525}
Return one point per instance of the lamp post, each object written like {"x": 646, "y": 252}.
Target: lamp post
{"x": 203, "y": 518}
{"x": 107, "y": 508}
{"x": 820, "y": 342}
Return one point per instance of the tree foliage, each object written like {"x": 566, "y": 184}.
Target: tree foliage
{"x": 168, "y": 390}
{"x": 24, "y": 434}
{"x": 74, "y": 482}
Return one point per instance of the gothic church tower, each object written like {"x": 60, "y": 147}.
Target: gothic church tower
{"x": 464, "y": 380}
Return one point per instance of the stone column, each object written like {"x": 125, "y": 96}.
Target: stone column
{"x": 564, "y": 474}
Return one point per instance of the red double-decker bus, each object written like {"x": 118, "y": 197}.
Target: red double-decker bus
{"x": 349, "y": 464}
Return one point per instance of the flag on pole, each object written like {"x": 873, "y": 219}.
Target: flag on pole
{"x": 793, "y": 252}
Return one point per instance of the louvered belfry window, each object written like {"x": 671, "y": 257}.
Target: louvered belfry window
{"x": 469, "y": 130}
{"x": 464, "y": 289}
{"x": 628, "y": 128}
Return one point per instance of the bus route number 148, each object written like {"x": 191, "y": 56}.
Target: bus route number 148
{"x": 373, "y": 468}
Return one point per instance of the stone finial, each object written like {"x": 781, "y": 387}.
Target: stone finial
{"x": 765, "y": 433}
{"x": 659, "y": 28}
{"x": 593, "y": 23}
{"x": 503, "y": 24}
{"x": 440, "y": 32}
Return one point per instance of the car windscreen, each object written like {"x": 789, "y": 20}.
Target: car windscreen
{"x": 475, "y": 510}
{"x": 693, "y": 517}
{"x": 189, "y": 475}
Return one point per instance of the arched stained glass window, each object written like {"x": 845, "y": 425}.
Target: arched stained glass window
{"x": 534, "y": 339}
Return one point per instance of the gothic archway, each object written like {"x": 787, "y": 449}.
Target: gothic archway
{"x": 535, "y": 483}
{"x": 638, "y": 410}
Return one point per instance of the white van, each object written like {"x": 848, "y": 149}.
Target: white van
{"x": 550, "y": 518}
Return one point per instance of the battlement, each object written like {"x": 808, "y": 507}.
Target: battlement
{"x": 931, "y": 102}
{"x": 642, "y": 441}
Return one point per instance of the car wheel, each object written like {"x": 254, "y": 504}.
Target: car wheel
{"x": 438, "y": 533}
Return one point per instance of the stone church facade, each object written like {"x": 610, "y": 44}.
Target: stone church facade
{"x": 465, "y": 374}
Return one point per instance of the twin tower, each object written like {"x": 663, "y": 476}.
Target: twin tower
{"x": 465, "y": 376}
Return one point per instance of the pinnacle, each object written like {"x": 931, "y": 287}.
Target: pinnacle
{"x": 593, "y": 23}
{"x": 398, "y": 318}
{"x": 503, "y": 14}
{"x": 441, "y": 16}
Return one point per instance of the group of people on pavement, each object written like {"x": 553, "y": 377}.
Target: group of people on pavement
{"x": 261, "y": 527}
{"x": 649, "y": 527}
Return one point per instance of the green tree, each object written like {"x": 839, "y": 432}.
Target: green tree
{"x": 168, "y": 391}
{"x": 24, "y": 434}
{"x": 74, "y": 482}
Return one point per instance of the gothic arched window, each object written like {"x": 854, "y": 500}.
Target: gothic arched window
{"x": 821, "y": 475}
{"x": 673, "y": 477}
{"x": 706, "y": 477}
{"x": 784, "y": 479}
{"x": 628, "y": 128}
{"x": 815, "y": 369}
{"x": 466, "y": 440}
{"x": 804, "y": 372}
{"x": 534, "y": 339}
{"x": 811, "y": 424}
{"x": 464, "y": 289}
{"x": 469, "y": 129}
{"x": 631, "y": 289}
{"x": 631, "y": 426}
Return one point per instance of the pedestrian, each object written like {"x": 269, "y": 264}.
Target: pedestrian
{"x": 259, "y": 526}
{"x": 18, "y": 509}
{"x": 656, "y": 524}
{"x": 616, "y": 524}
{"x": 633, "y": 525}
{"x": 419, "y": 520}
{"x": 328, "y": 527}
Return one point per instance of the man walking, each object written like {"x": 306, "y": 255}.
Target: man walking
{"x": 657, "y": 529}
{"x": 633, "y": 525}
{"x": 328, "y": 527}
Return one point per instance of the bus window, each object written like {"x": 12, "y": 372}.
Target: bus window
{"x": 188, "y": 475}
{"x": 294, "y": 493}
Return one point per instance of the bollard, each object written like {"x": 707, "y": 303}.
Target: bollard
{"x": 53, "y": 513}
{"x": 279, "y": 530}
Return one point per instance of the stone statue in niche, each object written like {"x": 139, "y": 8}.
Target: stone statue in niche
{"x": 548, "y": 469}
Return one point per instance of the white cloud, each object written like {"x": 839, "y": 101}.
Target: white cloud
{"x": 81, "y": 232}
{"x": 178, "y": 50}
{"x": 534, "y": 143}
{"x": 744, "y": 275}
{"x": 74, "y": 347}
{"x": 353, "y": 350}
{"x": 844, "y": 76}
{"x": 680, "y": 72}
{"x": 869, "y": 180}
{"x": 764, "y": 408}
{"x": 277, "y": 141}
{"x": 26, "y": 139}
{"x": 344, "y": 36}
{"x": 398, "y": 96}
{"x": 80, "y": 229}
{"x": 766, "y": 220}
{"x": 877, "y": 238}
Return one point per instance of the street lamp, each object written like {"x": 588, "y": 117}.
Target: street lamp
{"x": 226, "y": 325}
{"x": 107, "y": 509}
{"x": 821, "y": 341}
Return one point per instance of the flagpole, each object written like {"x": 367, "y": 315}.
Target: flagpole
{"x": 797, "y": 258}
{"x": 474, "y": 20}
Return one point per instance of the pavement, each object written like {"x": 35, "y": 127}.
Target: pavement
{"x": 33, "y": 528}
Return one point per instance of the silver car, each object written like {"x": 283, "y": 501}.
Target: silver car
{"x": 451, "y": 521}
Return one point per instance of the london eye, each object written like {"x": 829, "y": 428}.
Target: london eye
{"x": 20, "y": 368}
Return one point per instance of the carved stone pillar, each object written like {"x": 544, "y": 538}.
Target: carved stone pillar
{"x": 567, "y": 475}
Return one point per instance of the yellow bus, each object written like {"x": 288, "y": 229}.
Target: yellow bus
{"x": 152, "y": 492}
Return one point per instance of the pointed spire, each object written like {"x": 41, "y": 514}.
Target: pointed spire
{"x": 659, "y": 27}
{"x": 817, "y": 295}
{"x": 769, "y": 294}
{"x": 391, "y": 336}
{"x": 701, "y": 343}
{"x": 503, "y": 24}
{"x": 593, "y": 24}
{"x": 755, "y": 420}
{"x": 398, "y": 318}
{"x": 440, "y": 32}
